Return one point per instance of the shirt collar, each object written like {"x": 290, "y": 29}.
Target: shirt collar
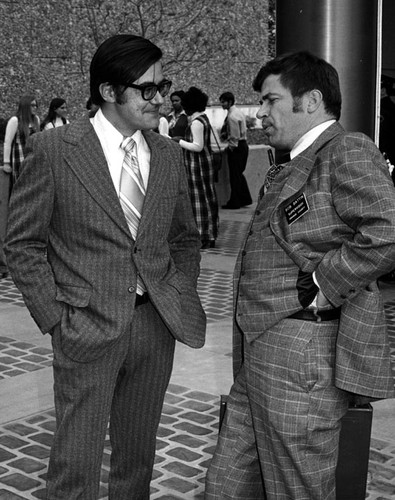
{"x": 309, "y": 137}
{"x": 109, "y": 136}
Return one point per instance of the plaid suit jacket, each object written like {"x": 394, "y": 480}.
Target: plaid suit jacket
{"x": 71, "y": 253}
{"x": 347, "y": 238}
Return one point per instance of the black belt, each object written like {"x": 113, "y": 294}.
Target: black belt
{"x": 141, "y": 299}
{"x": 326, "y": 315}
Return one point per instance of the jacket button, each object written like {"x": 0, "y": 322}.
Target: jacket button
{"x": 131, "y": 289}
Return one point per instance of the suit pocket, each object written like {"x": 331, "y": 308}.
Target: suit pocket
{"x": 77, "y": 296}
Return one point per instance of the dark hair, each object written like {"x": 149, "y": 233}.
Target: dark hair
{"x": 301, "y": 72}
{"x": 51, "y": 115}
{"x": 26, "y": 117}
{"x": 120, "y": 60}
{"x": 387, "y": 84}
{"x": 177, "y": 93}
{"x": 194, "y": 100}
{"x": 228, "y": 97}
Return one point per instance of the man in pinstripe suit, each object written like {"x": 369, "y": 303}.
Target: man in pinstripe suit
{"x": 114, "y": 291}
{"x": 309, "y": 327}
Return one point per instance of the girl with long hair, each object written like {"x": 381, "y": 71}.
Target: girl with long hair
{"x": 19, "y": 127}
{"x": 56, "y": 116}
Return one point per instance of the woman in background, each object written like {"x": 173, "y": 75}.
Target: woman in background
{"x": 199, "y": 164}
{"x": 19, "y": 128}
{"x": 56, "y": 116}
{"x": 178, "y": 121}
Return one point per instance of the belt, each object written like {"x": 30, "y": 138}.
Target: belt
{"x": 141, "y": 299}
{"x": 325, "y": 315}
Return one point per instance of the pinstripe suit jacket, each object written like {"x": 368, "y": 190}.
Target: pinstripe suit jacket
{"x": 347, "y": 238}
{"x": 71, "y": 253}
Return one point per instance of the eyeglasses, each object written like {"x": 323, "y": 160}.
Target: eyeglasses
{"x": 149, "y": 90}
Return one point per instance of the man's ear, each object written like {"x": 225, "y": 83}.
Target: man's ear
{"x": 314, "y": 100}
{"x": 107, "y": 92}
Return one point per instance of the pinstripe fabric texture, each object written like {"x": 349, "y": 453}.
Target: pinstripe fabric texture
{"x": 92, "y": 260}
{"x": 115, "y": 386}
{"x": 132, "y": 193}
{"x": 74, "y": 259}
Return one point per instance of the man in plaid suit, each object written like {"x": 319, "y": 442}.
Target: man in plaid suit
{"x": 309, "y": 326}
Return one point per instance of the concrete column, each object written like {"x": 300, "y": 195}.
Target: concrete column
{"x": 346, "y": 34}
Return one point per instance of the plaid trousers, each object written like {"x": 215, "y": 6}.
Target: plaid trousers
{"x": 280, "y": 436}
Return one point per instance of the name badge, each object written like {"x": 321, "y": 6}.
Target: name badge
{"x": 296, "y": 209}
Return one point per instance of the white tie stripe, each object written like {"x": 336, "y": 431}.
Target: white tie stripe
{"x": 132, "y": 193}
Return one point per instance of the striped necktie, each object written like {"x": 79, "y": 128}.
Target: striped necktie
{"x": 132, "y": 192}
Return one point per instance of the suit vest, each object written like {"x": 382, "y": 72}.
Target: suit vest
{"x": 268, "y": 285}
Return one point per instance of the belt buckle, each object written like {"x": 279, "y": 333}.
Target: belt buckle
{"x": 317, "y": 315}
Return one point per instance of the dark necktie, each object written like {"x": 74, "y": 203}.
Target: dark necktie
{"x": 273, "y": 171}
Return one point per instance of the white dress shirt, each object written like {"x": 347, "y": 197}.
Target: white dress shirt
{"x": 309, "y": 137}
{"x": 111, "y": 139}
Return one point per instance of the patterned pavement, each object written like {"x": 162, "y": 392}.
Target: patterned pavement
{"x": 189, "y": 425}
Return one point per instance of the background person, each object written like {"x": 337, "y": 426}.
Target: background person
{"x": 107, "y": 263}
{"x": 163, "y": 127}
{"x": 234, "y": 132}
{"x": 310, "y": 331}
{"x": 56, "y": 116}
{"x": 19, "y": 128}
{"x": 199, "y": 164}
{"x": 178, "y": 120}
{"x": 92, "y": 108}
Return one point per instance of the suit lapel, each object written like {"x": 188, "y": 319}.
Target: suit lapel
{"x": 302, "y": 165}
{"x": 157, "y": 178}
{"x": 86, "y": 158}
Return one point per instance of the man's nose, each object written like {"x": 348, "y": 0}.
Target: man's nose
{"x": 158, "y": 99}
{"x": 262, "y": 111}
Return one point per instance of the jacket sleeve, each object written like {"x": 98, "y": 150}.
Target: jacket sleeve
{"x": 364, "y": 198}
{"x": 29, "y": 220}
{"x": 184, "y": 238}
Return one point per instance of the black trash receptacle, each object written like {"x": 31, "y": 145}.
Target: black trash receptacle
{"x": 354, "y": 446}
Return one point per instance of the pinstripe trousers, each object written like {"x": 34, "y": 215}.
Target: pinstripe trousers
{"x": 279, "y": 439}
{"x": 126, "y": 386}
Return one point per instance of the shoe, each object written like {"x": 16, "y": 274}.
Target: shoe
{"x": 207, "y": 244}
{"x": 230, "y": 207}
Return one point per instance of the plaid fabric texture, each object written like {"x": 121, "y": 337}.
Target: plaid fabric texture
{"x": 200, "y": 173}
{"x": 282, "y": 422}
